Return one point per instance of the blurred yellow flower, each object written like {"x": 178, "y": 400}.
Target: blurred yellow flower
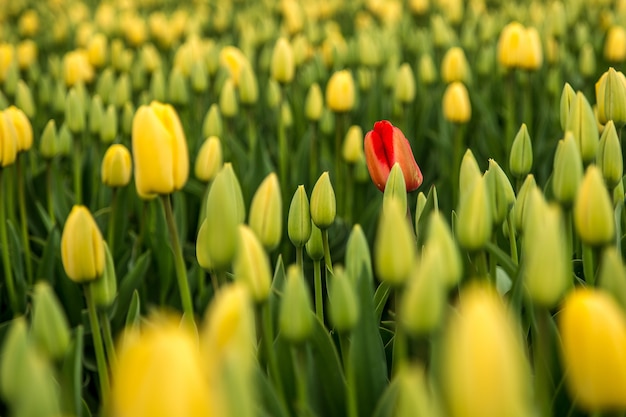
{"x": 28, "y": 24}
{"x": 8, "y": 140}
{"x": 340, "y": 92}
{"x": 615, "y": 44}
{"x": 116, "y": 166}
{"x": 22, "y": 126}
{"x": 456, "y": 103}
{"x": 76, "y": 68}
{"x": 520, "y": 47}
{"x": 7, "y": 55}
{"x": 82, "y": 247}
{"x": 26, "y": 53}
{"x": 97, "y": 50}
{"x": 454, "y": 66}
{"x": 233, "y": 59}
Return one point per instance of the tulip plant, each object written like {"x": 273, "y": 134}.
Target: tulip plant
{"x": 363, "y": 208}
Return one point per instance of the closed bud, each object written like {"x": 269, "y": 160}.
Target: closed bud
{"x": 199, "y": 77}
{"x": 609, "y": 157}
{"x": 323, "y": 204}
{"x": 521, "y": 156}
{"x": 315, "y": 244}
{"x": 327, "y": 122}
{"x": 97, "y": 50}
{"x": 612, "y": 275}
{"x": 468, "y": 172}
{"x": 96, "y": 115}
{"x": 9, "y": 141}
{"x": 49, "y": 145}
{"x": 116, "y": 166}
{"x": 274, "y": 94}
{"x": 395, "y": 189}
{"x": 343, "y": 304}
{"x": 24, "y": 99}
{"x": 546, "y": 267}
{"x": 282, "y": 67}
{"x": 404, "y": 90}
{"x": 394, "y": 247}
{"x": 122, "y": 90}
{"x": 582, "y": 124}
{"x": 157, "y": 86}
{"x": 209, "y": 160}
{"x": 474, "y": 222}
{"x": 299, "y": 220}
{"x": 413, "y": 395}
{"x": 212, "y": 125}
{"x": 454, "y": 66}
{"x": 50, "y": 328}
{"x": 358, "y": 258}
{"x": 296, "y": 315}
{"x": 340, "y": 92}
{"x": 511, "y": 44}
{"x": 178, "y": 91}
{"x": 240, "y": 208}
{"x": 248, "y": 86}
{"x": 229, "y": 105}
{"x": 427, "y": 71}
{"x": 159, "y": 150}
{"x": 82, "y": 246}
{"x": 501, "y": 194}
{"x": 286, "y": 114}
{"x": 441, "y": 241}
{"x": 419, "y": 210}
{"x": 587, "y": 60}
{"x": 456, "y": 103}
{"x": 266, "y": 212}
{"x": 352, "y": 150}
{"x": 251, "y": 265}
{"x": 593, "y": 333}
{"x": 567, "y": 172}
{"x": 15, "y": 345}
{"x": 23, "y": 128}
{"x": 593, "y": 210}
{"x": 108, "y": 128}
{"x": 217, "y": 238}
{"x": 314, "y": 103}
{"x": 615, "y": 44}
{"x": 104, "y": 289}
{"x": 75, "y": 112}
{"x": 532, "y": 51}
{"x": 611, "y": 97}
{"x": 66, "y": 140}
{"x": 485, "y": 371}
{"x": 76, "y": 68}
{"x": 104, "y": 85}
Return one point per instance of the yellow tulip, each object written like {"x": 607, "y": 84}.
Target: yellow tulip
{"x": 615, "y": 44}
{"x": 8, "y": 140}
{"x": 456, "y": 103}
{"x": 510, "y": 44}
{"x": 233, "y": 59}
{"x": 159, "y": 150}
{"x": 454, "y": 66}
{"x": 97, "y": 49}
{"x": 209, "y": 160}
{"x": 116, "y": 166}
{"x": 82, "y": 247}
{"x": 159, "y": 373}
{"x": 76, "y": 68}
{"x": 7, "y": 55}
{"x": 23, "y": 128}
{"x": 26, "y": 52}
{"x": 340, "y": 92}
{"x": 593, "y": 334}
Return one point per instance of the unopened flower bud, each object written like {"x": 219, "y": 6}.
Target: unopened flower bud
{"x": 251, "y": 265}
{"x": 343, "y": 308}
{"x": 50, "y": 328}
{"x": 519, "y": 209}
{"x": 283, "y": 66}
{"x": 468, "y": 171}
{"x": 501, "y": 194}
{"x": 611, "y": 97}
{"x": 404, "y": 91}
{"x": 323, "y": 203}
{"x": 456, "y": 103}
{"x": 395, "y": 189}
{"x": 108, "y": 128}
{"x": 299, "y": 220}
{"x": 49, "y": 145}
{"x": 315, "y": 245}
{"x": 474, "y": 222}
{"x": 212, "y": 125}
{"x": 394, "y": 248}
{"x": 104, "y": 289}
{"x": 427, "y": 70}
{"x": 314, "y": 103}
{"x": 454, "y": 66}
{"x": 340, "y": 92}
{"x": 593, "y": 210}
{"x": 521, "y": 157}
{"x": 82, "y": 246}
{"x": 612, "y": 275}
{"x": 609, "y": 157}
{"x": 296, "y": 315}
{"x": 209, "y": 160}
{"x": 75, "y": 112}
{"x": 582, "y": 124}
{"x": 615, "y": 44}
{"x": 24, "y": 99}
{"x": 567, "y": 171}
{"x": 248, "y": 86}
{"x": 266, "y": 212}
{"x": 229, "y": 105}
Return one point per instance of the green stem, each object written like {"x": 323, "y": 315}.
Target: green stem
{"x": 351, "y": 403}
{"x": 458, "y": 145}
{"x": 400, "y": 353}
{"x": 480, "y": 261}
{"x": 21, "y": 201}
{"x": 569, "y": 244}
{"x": 541, "y": 359}
{"x": 588, "y": 265}
{"x": 103, "y": 373}
{"x": 299, "y": 258}
{"x": 492, "y": 259}
{"x": 327, "y": 260}
{"x": 298, "y": 353}
{"x": 512, "y": 239}
{"x": 50, "y": 179}
{"x": 252, "y": 136}
{"x": 108, "y": 339}
{"x": 6, "y": 256}
{"x": 349, "y": 194}
{"x": 78, "y": 185}
{"x": 268, "y": 342}
{"x": 319, "y": 300}
{"x": 181, "y": 271}
{"x": 314, "y": 159}
{"x": 339, "y": 121}
{"x": 111, "y": 225}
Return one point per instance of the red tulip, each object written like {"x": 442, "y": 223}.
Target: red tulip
{"x": 384, "y": 146}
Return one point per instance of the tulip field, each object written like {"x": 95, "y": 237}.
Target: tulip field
{"x": 318, "y": 208}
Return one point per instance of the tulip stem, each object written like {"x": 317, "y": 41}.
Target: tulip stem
{"x": 327, "y": 260}
{"x": 512, "y": 239}
{"x": 50, "y": 179}
{"x": 317, "y": 280}
{"x": 267, "y": 339}
{"x": 6, "y": 257}
{"x": 108, "y": 339}
{"x": 103, "y": 374}
{"x": 314, "y": 159}
{"x": 78, "y": 186}
{"x": 588, "y": 265}
{"x": 299, "y": 258}
{"x": 21, "y": 201}
{"x": 542, "y": 359}
{"x": 339, "y": 122}
{"x": 344, "y": 345}
{"x": 283, "y": 150}
{"x": 111, "y": 225}
{"x": 181, "y": 271}
{"x": 298, "y": 355}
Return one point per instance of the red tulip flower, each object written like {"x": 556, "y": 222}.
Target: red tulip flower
{"x": 384, "y": 146}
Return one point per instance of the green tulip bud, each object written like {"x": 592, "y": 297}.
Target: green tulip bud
{"x": 157, "y": 86}
{"x": 593, "y": 210}
{"x": 65, "y": 141}
{"x": 568, "y": 96}
{"x": 582, "y": 124}
{"x": 50, "y": 328}
{"x": 16, "y": 344}
{"x": 59, "y": 97}
{"x": 612, "y": 275}
{"x": 24, "y": 99}
{"x": 327, "y": 121}
{"x": 296, "y": 315}
{"x": 323, "y": 204}
{"x": 248, "y": 86}
{"x": 266, "y": 212}
{"x": 108, "y": 126}
{"x": 343, "y": 307}
{"x": 501, "y": 194}
{"x": 404, "y": 91}
{"x": 315, "y": 245}
{"x": 286, "y": 114}
{"x": 273, "y": 94}
{"x": 212, "y": 125}
{"x": 229, "y": 105}
{"x": 96, "y": 114}
{"x": 521, "y": 157}
{"x": 358, "y": 254}
{"x": 424, "y": 302}
{"x": 546, "y": 267}
{"x": 468, "y": 172}
{"x": 199, "y": 77}
{"x": 209, "y": 160}
{"x": 394, "y": 248}
{"x": 427, "y": 69}
{"x": 519, "y": 208}
{"x": 314, "y": 103}
{"x": 128, "y": 113}
{"x": 441, "y": 240}
{"x": 104, "y": 289}
{"x": 352, "y": 149}
{"x": 75, "y": 112}
{"x": 122, "y": 91}
{"x": 44, "y": 90}
{"x": 611, "y": 97}
{"x": 299, "y": 220}
{"x": 252, "y": 265}
{"x": 567, "y": 171}
{"x": 413, "y": 397}
{"x": 104, "y": 86}
{"x": 138, "y": 76}
{"x": 49, "y": 145}
{"x": 587, "y": 60}
{"x": 236, "y": 187}
{"x": 177, "y": 91}
{"x": 473, "y": 227}
{"x": 395, "y": 188}
{"x": 282, "y": 67}
{"x": 609, "y": 157}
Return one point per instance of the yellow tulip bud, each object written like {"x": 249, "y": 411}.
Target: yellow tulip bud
{"x": 108, "y": 128}
{"x": 582, "y": 124}
{"x": 209, "y": 160}
{"x": 340, "y": 92}
{"x": 266, "y": 212}
{"x": 394, "y": 248}
{"x": 532, "y": 51}
{"x": 28, "y": 24}
{"x": 15, "y": 345}
{"x": 587, "y": 60}
{"x": 521, "y": 156}
{"x": 593, "y": 335}
{"x": 49, "y": 145}
{"x": 352, "y": 150}
{"x": 159, "y": 150}
{"x": 22, "y": 127}
{"x": 440, "y": 238}
{"x": 229, "y": 105}
{"x": 456, "y": 103}
{"x": 251, "y": 265}
{"x": 611, "y": 97}
{"x": 468, "y": 172}
{"x": 404, "y": 90}
{"x": 212, "y": 125}
{"x": 9, "y": 141}
{"x": 615, "y": 44}
{"x": 50, "y": 327}
{"x": 97, "y": 50}
{"x": 511, "y": 45}
{"x": 76, "y": 68}
{"x": 485, "y": 370}
{"x": 7, "y": 58}
{"x": 413, "y": 395}
{"x": 82, "y": 247}
{"x": 199, "y": 77}
{"x": 248, "y": 86}
{"x": 593, "y": 210}
{"x": 233, "y": 59}
{"x": 148, "y": 362}
{"x": 283, "y": 65}
{"x": 116, "y": 166}
{"x": 177, "y": 90}
{"x": 609, "y": 157}
{"x": 454, "y": 66}
{"x": 323, "y": 204}
{"x": 314, "y": 103}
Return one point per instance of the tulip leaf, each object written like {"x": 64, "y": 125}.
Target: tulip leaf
{"x": 45, "y": 218}
{"x": 432, "y": 204}
{"x": 134, "y": 311}
{"x": 129, "y": 284}
{"x": 386, "y": 405}
{"x": 380, "y": 298}
{"x": 71, "y": 378}
{"x": 179, "y": 203}
{"x": 277, "y": 287}
{"x": 45, "y": 269}
{"x": 287, "y": 377}
{"x": 267, "y": 396}
{"x": 325, "y": 371}
{"x": 17, "y": 262}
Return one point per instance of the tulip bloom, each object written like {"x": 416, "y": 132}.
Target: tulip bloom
{"x": 82, "y": 247}
{"x": 116, "y": 166}
{"x": 159, "y": 150}
{"x": 384, "y": 146}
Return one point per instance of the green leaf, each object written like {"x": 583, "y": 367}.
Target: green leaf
{"x": 134, "y": 311}
{"x": 71, "y": 378}
{"x": 380, "y": 299}
{"x": 386, "y": 405}
{"x": 17, "y": 262}
{"x": 268, "y": 399}
{"x": 432, "y": 204}
{"x": 129, "y": 284}
{"x": 43, "y": 214}
{"x": 45, "y": 269}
